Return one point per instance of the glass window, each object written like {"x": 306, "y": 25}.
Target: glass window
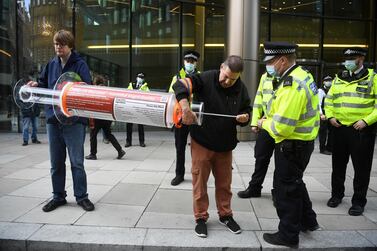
{"x": 155, "y": 41}
{"x": 214, "y": 38}
{"x": 303, "y": 31}
{"x": 99, "y": 37}
{"x": 339, "y": 34}
{"x": 349, "y": 8}
{"x": 307, "y": 7}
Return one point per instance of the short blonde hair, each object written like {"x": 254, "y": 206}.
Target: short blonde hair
{"x": 64, "y": 37}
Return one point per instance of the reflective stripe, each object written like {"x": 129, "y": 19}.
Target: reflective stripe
{"x": 375, "y": 106}
{"x": 273, "y": 129}
{"x": 258, "y": 93}
{"x": 284, "y": 120}
{"x": 308, "y": 115}
{"x": 307, "y": 129}
{"x": 351, "y": 105}
{"x": 329, "y": 96}
{"x": 268, "y": 91}
{"x": 355, "y": 95}
{"x": 328, "y": 104}
{"x": 302, "y": 84}
{"x": 257, "y": 106}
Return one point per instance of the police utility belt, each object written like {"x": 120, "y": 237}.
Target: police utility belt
{"x": 292, "y": 144}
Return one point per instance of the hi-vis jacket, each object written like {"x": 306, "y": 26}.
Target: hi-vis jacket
{"x": 353, "y": 98}
{"x": 144, "y": 87}
{"x": 182, "y": 74}
{"x": 262, "y": 98}
{"x": 293, "y": 113}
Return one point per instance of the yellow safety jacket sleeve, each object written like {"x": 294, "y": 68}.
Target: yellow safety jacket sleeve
{"x": 172, "y": 83}
{"x": 372, "y": 117}
{"x": 329, "y": 104}
{"x": 288, "y": 108}
{"x": 144, "y": 87}
{"x": 258, "y": 105}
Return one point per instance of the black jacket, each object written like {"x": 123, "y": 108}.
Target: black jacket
{"x": 218, "y": 134}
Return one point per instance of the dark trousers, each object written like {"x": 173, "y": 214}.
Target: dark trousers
{"x": 360, "y": 145}
{"x": 293, "y": 204}
{"x": 263, "y": 150}
{"x": 325, "y": 135}
{"x": 180, "y": 136}
{"x": 105, "y": 125}
{"x": 140, "y": 129}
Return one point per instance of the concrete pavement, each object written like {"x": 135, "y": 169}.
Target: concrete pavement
{"x": 138, "y": 209}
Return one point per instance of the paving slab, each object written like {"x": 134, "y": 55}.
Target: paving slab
{"x": 12, "y": 207}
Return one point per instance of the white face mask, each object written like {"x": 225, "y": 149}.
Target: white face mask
{"x": 327, "y": 84}
{"x": 189, "y": 68}
{"x": 350, "y": 65}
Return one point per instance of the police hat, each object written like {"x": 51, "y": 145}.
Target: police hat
{"x": 140, "y": 75}
{"x": 354, "y": 51}
{"x": 327, "y": 78}
{"x": 191, "y": 54}
{"x": 273, "y": 49}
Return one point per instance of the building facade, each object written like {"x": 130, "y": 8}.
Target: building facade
{"x": 120, "y": 38}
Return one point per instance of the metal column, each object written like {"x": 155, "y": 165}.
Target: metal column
{"x": 242, "y": 29}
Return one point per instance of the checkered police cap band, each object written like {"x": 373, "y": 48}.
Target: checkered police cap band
{"x": 279, "y": 51}
{"x": 351, "y": 52}
{"x": 191, "y": 56}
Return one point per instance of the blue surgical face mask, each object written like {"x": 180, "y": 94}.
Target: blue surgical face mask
{"x": 327, "y": 84}
{"x": 189, "y": 68}
{"x": 271, "y": 70}
{"x": 350, "y": 65}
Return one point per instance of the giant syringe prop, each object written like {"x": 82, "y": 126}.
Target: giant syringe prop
{"x": 71, "y": 98}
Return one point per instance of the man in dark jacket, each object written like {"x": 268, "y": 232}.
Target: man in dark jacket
{"x": 65, "y": 136}
{"x": 29, "y": 116}
{"x": 221, "y": 91}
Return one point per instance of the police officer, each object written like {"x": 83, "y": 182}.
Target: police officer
{"x": 265, "y": 144}
{"x": 190, "y": 59}
{"x": 293, "y": 121}
{"x": 325, "y": 129}
{"x": 351, "y": 107}
{"x": 140, "y": 84}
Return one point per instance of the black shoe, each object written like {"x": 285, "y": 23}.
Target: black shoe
{"x": 25, "y": 143}
{"x": 86, "y": 204}
{"x": 53, "y": 204}
{"x": 311, "y": 229}
{"x": 128, "y": 144}
{"x": 326, "y": 152}
{"x": 36, "y": 141}
{"x": 231, "y": 224}
{"x": 91, "y": 156}
{"x": 334, "y": 202}
{"x": 177, "y": 180}
{"x": 276, "y": 239}
{"x": 121, "y": 154}
{"x": 142, "y": 144}
{"x": 201, "y": 228}
{"x": 249, "y": 193}
{"x": 356, "y": 210}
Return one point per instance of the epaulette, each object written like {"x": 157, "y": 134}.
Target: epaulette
{"x": 288, "y": 81}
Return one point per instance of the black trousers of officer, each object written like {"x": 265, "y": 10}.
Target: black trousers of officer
{"x": 360, "y": 145}
{"x": 140, "y": 129}
{"x": 105, "y": 125}
{"x": 180, "y": 135}
{"x": 325, "y": 135}
{"x": 263, "y": 150}
{"x": 293, "y": 204}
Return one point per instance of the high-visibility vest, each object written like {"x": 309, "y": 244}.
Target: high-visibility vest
{"x": 294, "y": 112}
{"x": 262, "y": 99}
{"x": 144, "y": 87}
{"x": 181, "y": 74}
{"x": 350, "y": 102}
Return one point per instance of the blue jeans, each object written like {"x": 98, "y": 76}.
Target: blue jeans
{"x": 26, "y": 121}
{"x": 72, "y": 138}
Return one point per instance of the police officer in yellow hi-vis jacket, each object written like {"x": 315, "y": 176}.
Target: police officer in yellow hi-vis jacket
{"x": 265, "y": 144}
{"x": 190, "y": 59}
{"x": 141, "y": 85}
{"x": 351, "y": 107}
{"x": 293, "y": 122}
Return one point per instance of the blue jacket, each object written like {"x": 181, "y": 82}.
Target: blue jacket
{"x": 53, "y": 71}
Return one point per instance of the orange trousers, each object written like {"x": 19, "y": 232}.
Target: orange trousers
{"x": 203, "y": 161}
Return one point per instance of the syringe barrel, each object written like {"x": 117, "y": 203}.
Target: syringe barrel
{"x": 39, "y": 95}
